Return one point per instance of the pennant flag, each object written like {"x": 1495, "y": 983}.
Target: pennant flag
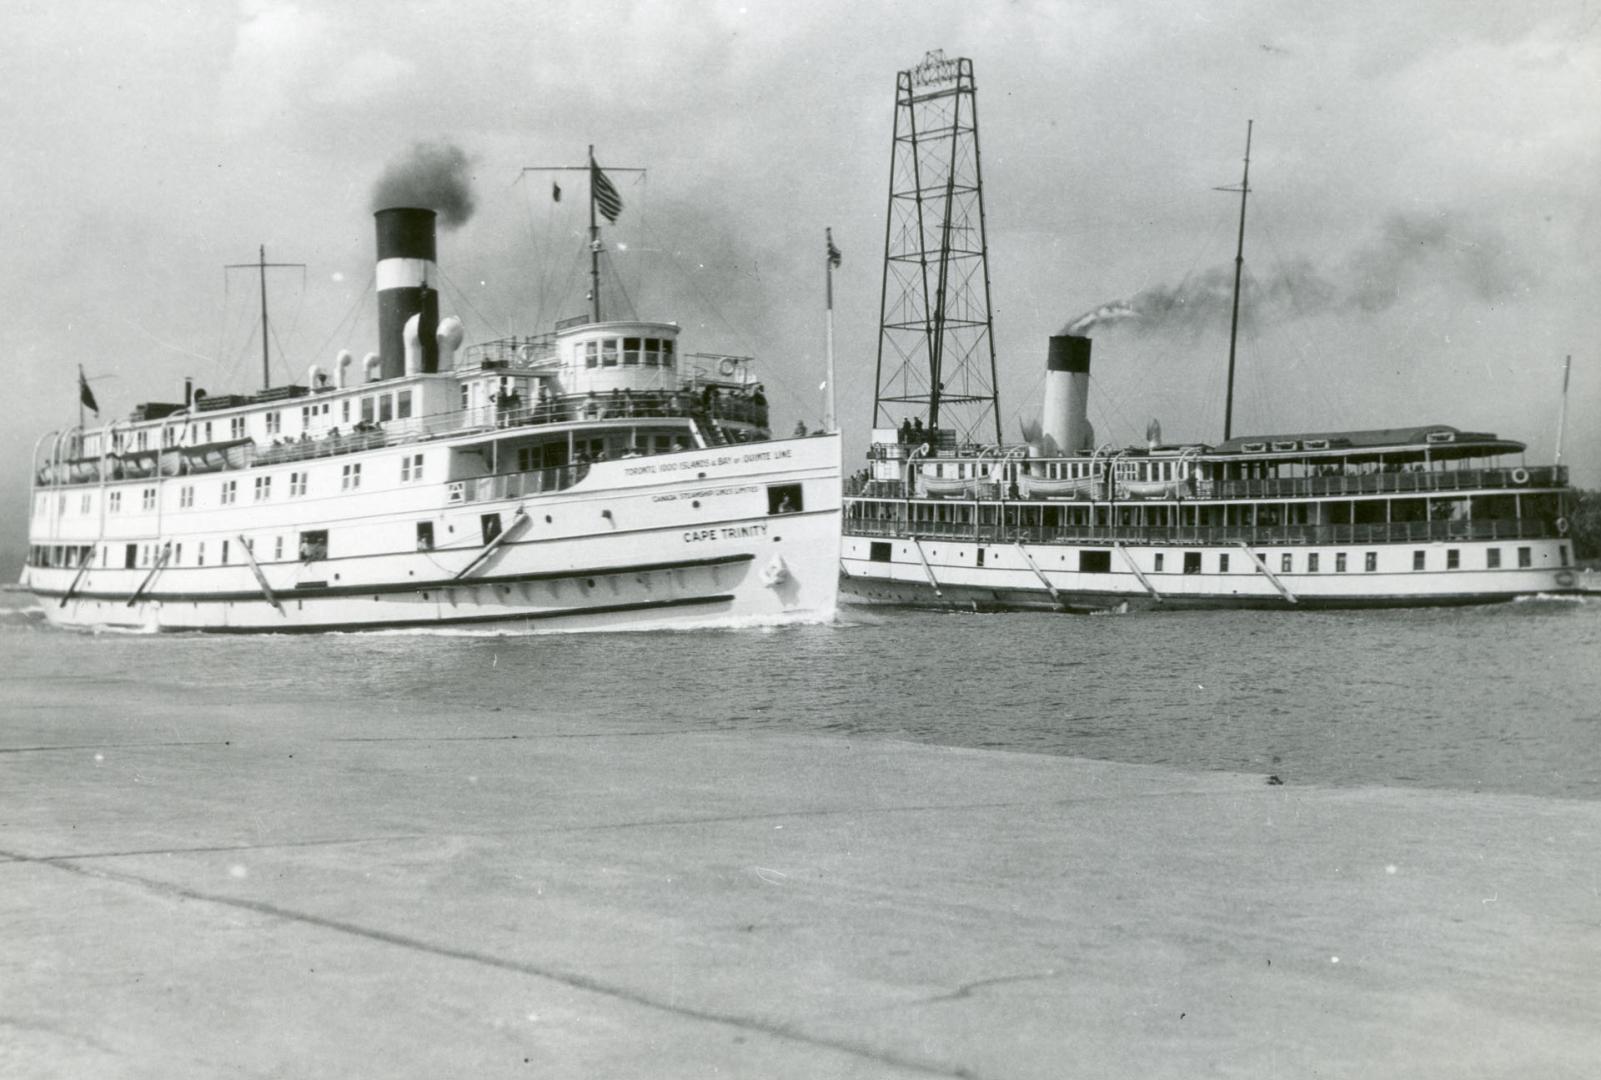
{"x": 834, "y": 257}
{"x": 606, "y": 197}
{"x": 86, "y": 396}
{"x": 555, "y": 191}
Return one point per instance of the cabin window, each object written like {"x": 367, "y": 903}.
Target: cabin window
{"x": 410, "y": 468}
{"x": 297, "y": 483}
{"x": 591, "y": 353}
{"x": 306, "y": 413}
{"x": 1525, "y": 557}
{"x": 1418, "y": 559}
{"x": 1370, "y": 561}
{"x": 1223, "y": 563}
{"x": 186, "y": 497}
{"x": 1492, "y": 558}
{"x": 116, "y": 502}
{"x": 1562, "y": 554}
{"x": 608, "y": 352}
{"x": 263, "y": 488}
{"x": 425, "y": 536}
{"x": 878, "y": 551}
{"x": 200, "y": 553}
{"x": 1192, "y": 562}
{"x": 1286, "y": 561}
{"x": 350, "y": 477}
{"x": 1095, "y": 562}
{"x": 130, "y": 557}
{"x": 784, "y": 499}
{"x": 344, "y": 411}
{"x": 631, "y": 352}
{"x": 403, "y": 405}
{"x": 1453, "y": 559}
{"x": 85, "y": 503}
{"x": 369, "y": 410}
{"x": 1160, "y": 559}
{"x": 230, "y": 491}
{"x": 208, "y": 430}
{"x": 177, "y": 554}
{"x": 147, "y": 499}
{"x": 313, "y": 545}
{"x": 386, "y": 407}
{"x": 224, "y": 559}
{"x": 274, "y": 423}
{"x": 1339, "y": 562}
{"x": 1312, "y": 562}
{"x": 489, "y": 524}
{"x": 277, "y": 547}
{"x": 466, "y": 396}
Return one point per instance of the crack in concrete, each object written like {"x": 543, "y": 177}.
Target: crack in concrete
{"x": 575, "y": 980}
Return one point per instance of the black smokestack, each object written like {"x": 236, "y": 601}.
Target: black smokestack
{"x": 406, "y": 273}
{"x": 432, "y": 174}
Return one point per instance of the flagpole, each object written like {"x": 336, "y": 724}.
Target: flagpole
{"x": 1562, "y": 416}
{"x": 594, "y": 244}
{"x": 82, "y": 382}
{"x": 828, "y": 323}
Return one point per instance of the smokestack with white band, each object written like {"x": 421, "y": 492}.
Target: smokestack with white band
{"x": 406, "y": 273}
{"x": 1064, "y": 420}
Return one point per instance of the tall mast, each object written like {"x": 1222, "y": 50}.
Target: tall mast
{"x": 261, "y": 266}
{"x": 1562, "y": 416}
{"x": 1239, "y": 264}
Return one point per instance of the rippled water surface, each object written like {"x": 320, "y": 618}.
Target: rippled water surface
{"x": 1504, "y": 698}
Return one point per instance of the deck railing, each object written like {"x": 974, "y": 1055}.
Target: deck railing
{"x": 1266, "y": 535}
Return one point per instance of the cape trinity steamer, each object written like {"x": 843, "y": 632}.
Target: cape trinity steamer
{"x": 593, "y": 477}
{"x": 943, "y": 517}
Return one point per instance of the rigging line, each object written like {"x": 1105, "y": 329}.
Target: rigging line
{"x": 464, "y": 299}
{"x": 350, "y": 312}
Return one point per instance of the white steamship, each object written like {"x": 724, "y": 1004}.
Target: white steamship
{"x": 593, "y": 477}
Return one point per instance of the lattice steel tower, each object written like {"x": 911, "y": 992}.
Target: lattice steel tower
{"x": 936, "y": 350}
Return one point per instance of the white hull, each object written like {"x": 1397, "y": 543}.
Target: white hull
{"x": 671, "y": 540}
{"x": 947, "y": 574}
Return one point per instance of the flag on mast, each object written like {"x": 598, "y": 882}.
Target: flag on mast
{"x": 606, "y": 198}
{"x": 555, "y": 191}
{"x": 86, "y": 396}
{"x": 834, "y": 257}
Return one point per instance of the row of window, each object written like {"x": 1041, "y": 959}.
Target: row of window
{"x": 411, "y": 472}
{"x": 1100, "y": 562}
{"x": 630, "y": 352}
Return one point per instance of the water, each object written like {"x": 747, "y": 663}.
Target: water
{"x": 1504, "y": 698}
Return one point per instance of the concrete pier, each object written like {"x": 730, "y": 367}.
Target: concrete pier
{"x": 193, "y": 888}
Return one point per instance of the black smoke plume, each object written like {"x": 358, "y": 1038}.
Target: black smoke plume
{"x": 433, "y": 175}
{"x": 1409, "y": 251}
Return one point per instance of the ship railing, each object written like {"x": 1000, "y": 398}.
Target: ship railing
{"x": 1420, "y": 481}
{"x": 1267, "y": 535}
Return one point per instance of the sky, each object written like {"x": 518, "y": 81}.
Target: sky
{"x": 1423, "y": 240}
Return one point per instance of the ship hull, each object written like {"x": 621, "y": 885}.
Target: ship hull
{"x": 950, "y": 575}
{"x": 676, "y": 540}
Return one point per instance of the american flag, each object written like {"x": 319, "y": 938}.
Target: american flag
{"x": 606, "y": 197}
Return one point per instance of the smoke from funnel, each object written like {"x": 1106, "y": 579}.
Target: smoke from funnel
{"x": 1438, "y": 248}
{"x": 433, "y": 175}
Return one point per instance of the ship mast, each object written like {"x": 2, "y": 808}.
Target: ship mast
{"x": 604, "y": 201}
{"x": 1239, "y": 265}
{"x": 261, "y": 266}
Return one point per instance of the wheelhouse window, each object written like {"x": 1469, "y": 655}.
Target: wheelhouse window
{"x": 631, "y": 352}
{"x": 403, "y": 405}
{"x": 653, "y": 352}
{"x": 591, "y": 354}
{"x": 608, "y": 352}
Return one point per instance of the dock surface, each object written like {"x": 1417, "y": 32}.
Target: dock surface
{"x": 195, "y": 888}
